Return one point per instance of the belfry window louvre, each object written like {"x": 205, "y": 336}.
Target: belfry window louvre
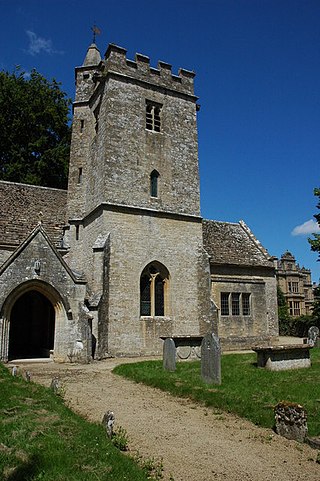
{"x": 153, "y": 116}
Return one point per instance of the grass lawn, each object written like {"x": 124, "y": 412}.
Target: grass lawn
{"x": 42, "y": 439}
{"x": 245, "y": 390}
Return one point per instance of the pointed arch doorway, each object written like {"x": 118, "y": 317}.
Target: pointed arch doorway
{"x": 32, "y": 326}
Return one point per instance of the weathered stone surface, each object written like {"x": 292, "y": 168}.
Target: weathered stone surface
{"x": 291, "y": 421}
{"x": 169, "y": 355}
{"x": 313, "y": 335}
{"x": 55, "y": 385}
{"x": 283, "y": 358}
{"x": 211, "y": 359}
{"x": 108, "y": 421}
{"x": 240, "y": 264}
{"x": 116, "y": 155}
{"x": 115, "y": 227}
{"x": 55, "y": 280}
{"x": 22, "y": 206}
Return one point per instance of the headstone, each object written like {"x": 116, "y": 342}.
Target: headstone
{"x": 169, "y": 354}
{"x": 291, "y": 421}
{"x": 55, "y": 385}
{"x": 108, "y": 422}
{"x": 313, "y": 335}
{"x": 14, "y": 371}
{"x": 211, "y": 359}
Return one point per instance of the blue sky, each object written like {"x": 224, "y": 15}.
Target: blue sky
{"x": 258, "y": 67}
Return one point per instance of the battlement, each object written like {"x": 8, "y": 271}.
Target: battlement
{"x": 116, "y": 61}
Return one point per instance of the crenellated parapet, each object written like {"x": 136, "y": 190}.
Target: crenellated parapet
{"x": 116, "y": 61}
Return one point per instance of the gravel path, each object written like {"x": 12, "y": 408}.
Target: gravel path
{"x": 196, "y": 443}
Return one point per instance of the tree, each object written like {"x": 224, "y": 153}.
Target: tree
{"x": 315, "y": 242}
{"x": 315, "y": 246}
{"x": 316, "y": 305}
{"x": 285, "y": 320}
{"x": 34, "y": 130}
{"x": 283, "y": 313}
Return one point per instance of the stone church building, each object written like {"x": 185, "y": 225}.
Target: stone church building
{"x": 124, "y": 257}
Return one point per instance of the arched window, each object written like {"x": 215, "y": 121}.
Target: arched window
{"x": 154, "y": 290}
{"x": 154, "y": 176}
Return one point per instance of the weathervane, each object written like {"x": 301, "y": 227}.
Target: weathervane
{"x": 96, "y": 31}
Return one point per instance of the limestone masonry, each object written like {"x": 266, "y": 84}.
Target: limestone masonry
{"x": 124, "y": 257}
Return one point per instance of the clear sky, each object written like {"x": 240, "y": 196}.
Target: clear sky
{"x": 257, "y": 65}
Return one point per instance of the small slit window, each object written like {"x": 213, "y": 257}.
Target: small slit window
{"x": 79, "y": 175}
{"x": 153, "y": 116}
{"x": 154, "y": 181}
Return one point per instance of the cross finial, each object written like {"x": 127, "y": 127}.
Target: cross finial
{"x": 96, "y": 31}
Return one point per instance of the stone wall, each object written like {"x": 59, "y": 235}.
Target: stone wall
{"x": 22, "y": 206}
{"x": 136, "y": 239}
{"x": 261, "y": 326}
{"x": 55, "y": 281}
{"x": 115, "y": 150}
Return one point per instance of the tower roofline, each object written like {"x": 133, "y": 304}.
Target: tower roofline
{"x": 116, "y": 60}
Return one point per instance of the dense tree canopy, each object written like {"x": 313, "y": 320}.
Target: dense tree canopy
{"x": 34, "y": 130}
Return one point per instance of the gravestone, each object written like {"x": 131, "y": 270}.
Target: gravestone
{"x": 55, "y": 386}
{"x": 211, "y": 359}
{"x": 291, "y": 421}
{"x": 14, "y": 371}
{"x": 313, "y": 335}
{"x": 108, "y": 422}
{"x": 169, "y": 355}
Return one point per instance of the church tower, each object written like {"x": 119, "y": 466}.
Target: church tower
{"x": 134, "y": 225}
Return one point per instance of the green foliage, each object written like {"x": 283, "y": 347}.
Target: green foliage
{"x": 245, "y": 390}
{"x": 315, "y": 242}
{"x": 297, "y": 326}
{"x": 316, "y": 306}
{"x": 120, "y": 439}
{"x": 41, "y": 439}
{"x": 283, "y": 313}
{"x": 152, "y": 467}
{"x": 34, "y": 130}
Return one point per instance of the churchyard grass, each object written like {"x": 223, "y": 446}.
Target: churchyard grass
{"x": 42, "y": 439}
{"x": 245, "y": 390}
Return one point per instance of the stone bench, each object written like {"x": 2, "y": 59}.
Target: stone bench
{"x": 282, "y": 358}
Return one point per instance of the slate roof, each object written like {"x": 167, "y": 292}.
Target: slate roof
{"x": 233, "y": 244}
{"x": 22, "y": 206}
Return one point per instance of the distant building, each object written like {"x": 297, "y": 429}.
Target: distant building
{"x": 295, "y": 283}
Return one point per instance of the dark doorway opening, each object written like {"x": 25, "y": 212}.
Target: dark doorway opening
{"x": 32, "y": 322}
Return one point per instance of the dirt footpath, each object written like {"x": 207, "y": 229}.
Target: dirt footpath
{"x": 196, "y": 443}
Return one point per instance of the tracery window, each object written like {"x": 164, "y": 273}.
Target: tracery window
{"x": 154, "y": 290}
